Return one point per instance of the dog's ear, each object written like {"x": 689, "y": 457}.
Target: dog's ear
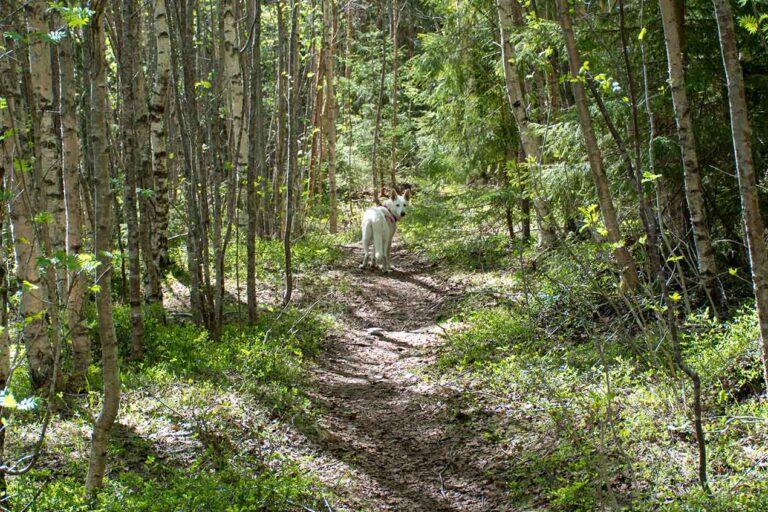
{"x": 408, "y": 195}
{"x": 393, "y": 195}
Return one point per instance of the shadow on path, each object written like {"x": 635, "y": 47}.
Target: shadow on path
{"x": 405, "y": 441}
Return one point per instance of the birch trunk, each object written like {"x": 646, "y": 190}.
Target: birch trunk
{"x": 519, "y": 107}
{"x": 694, "y": 193}
{"x": 159, "y": 143}
{"x": 70, "y": 149}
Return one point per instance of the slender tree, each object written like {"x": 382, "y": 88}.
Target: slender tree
{"x": 256, "y": 165}
{"x": 394, "y": 20}
{"x": 376, "y": 173}
{"x": 102, "y": 246}
{"x": 741, "y": 133}
{"x": 694, "y": 191}
{"x": 30, "y": 201}
{"x": 129, "y": 69}
{"x": 627, "y": 263}
{"x": 519, "y": 106}
{"x": 281, "y": 114}
{"x": 77, "y": 286}
{"x": 329, "y": 108}
{"x": 293, "y": 145}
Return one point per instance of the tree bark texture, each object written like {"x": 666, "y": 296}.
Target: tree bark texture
{"x": 102, "y": 245}
{"x": 694, "y": 192}
{"x": 602, "y": 187}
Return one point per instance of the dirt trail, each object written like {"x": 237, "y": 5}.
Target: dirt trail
{"x": 390, "y": 440}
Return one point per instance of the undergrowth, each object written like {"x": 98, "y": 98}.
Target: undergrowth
{"x": 595, "y": 418}
{"x": 201, "y": 427}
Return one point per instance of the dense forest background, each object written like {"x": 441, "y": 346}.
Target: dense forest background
{"x": 579, "y": 316}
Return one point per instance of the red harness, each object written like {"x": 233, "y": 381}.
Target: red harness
{"x": 388, "y": 215}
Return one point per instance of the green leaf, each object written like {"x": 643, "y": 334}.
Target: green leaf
{"x": 43, "y": 218}
{"x": 675, "y": 296}
{"x": 9, "y": 402}
{"x": 648, "y": 177}
{"x": 749, "y": 23}
{"x": 20, "y": 165}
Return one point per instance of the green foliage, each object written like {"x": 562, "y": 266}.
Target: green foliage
{"x": 726, "y": 355}
{"x": 587, "y": 401}
{"x": 266, "y": 360}
{"x": 171, "y": 489}
{"x": 491, "y": 334}
{"x": 460, "y": 228}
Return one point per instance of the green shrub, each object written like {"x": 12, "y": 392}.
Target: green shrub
{"x": 176, "y": 489}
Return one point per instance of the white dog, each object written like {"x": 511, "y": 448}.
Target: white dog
{"x": 379, "y": 225}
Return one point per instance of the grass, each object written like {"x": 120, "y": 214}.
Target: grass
{"x": 204, "y": 424}
{"x": 592, "y": 418}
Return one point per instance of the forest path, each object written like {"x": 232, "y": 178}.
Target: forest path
{"x": 389, "y": 439}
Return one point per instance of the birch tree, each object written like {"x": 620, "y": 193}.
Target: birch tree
{"x": 519, "y": 106}
{"x": 694, "y": 191}
{"x": 157, "y": 113}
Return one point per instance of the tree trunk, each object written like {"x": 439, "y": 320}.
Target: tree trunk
{"x": 519, "y": 107}
{"x": 30, "y": 201}
{"x": 281, "y": 116}
{"x": 159, "y": 144}
{"x": 70, "y": 149}
{"x": 624, "y": 258}
{"x": 315, "y": 160}
{"x": 379, "y": 105}
{"x": 394, "y": 17}
{"x": 692, "y": 173}
{"x": 129, "y": 67}
{"x": 646, "y": 211}
{"x": 189, "y": 132}
{"x": 256, "y": 164}
{"x": 329, "y": 110}
{"x": 741, "y": 133}
{"x": 293, "y": 145}
{"x": 102, "y": 247}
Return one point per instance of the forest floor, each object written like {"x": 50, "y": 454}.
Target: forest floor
{"x": 388, "y": 437}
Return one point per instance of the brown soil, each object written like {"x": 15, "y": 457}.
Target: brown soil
{"x": 389, "y": 438}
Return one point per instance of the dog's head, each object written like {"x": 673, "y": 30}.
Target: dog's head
{"x": 398, "y": 203}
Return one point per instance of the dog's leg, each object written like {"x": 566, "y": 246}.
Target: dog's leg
{"x": 385, "y": 267}
{"x": 366, "y": 243}
{"x": 379, "y": 249}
